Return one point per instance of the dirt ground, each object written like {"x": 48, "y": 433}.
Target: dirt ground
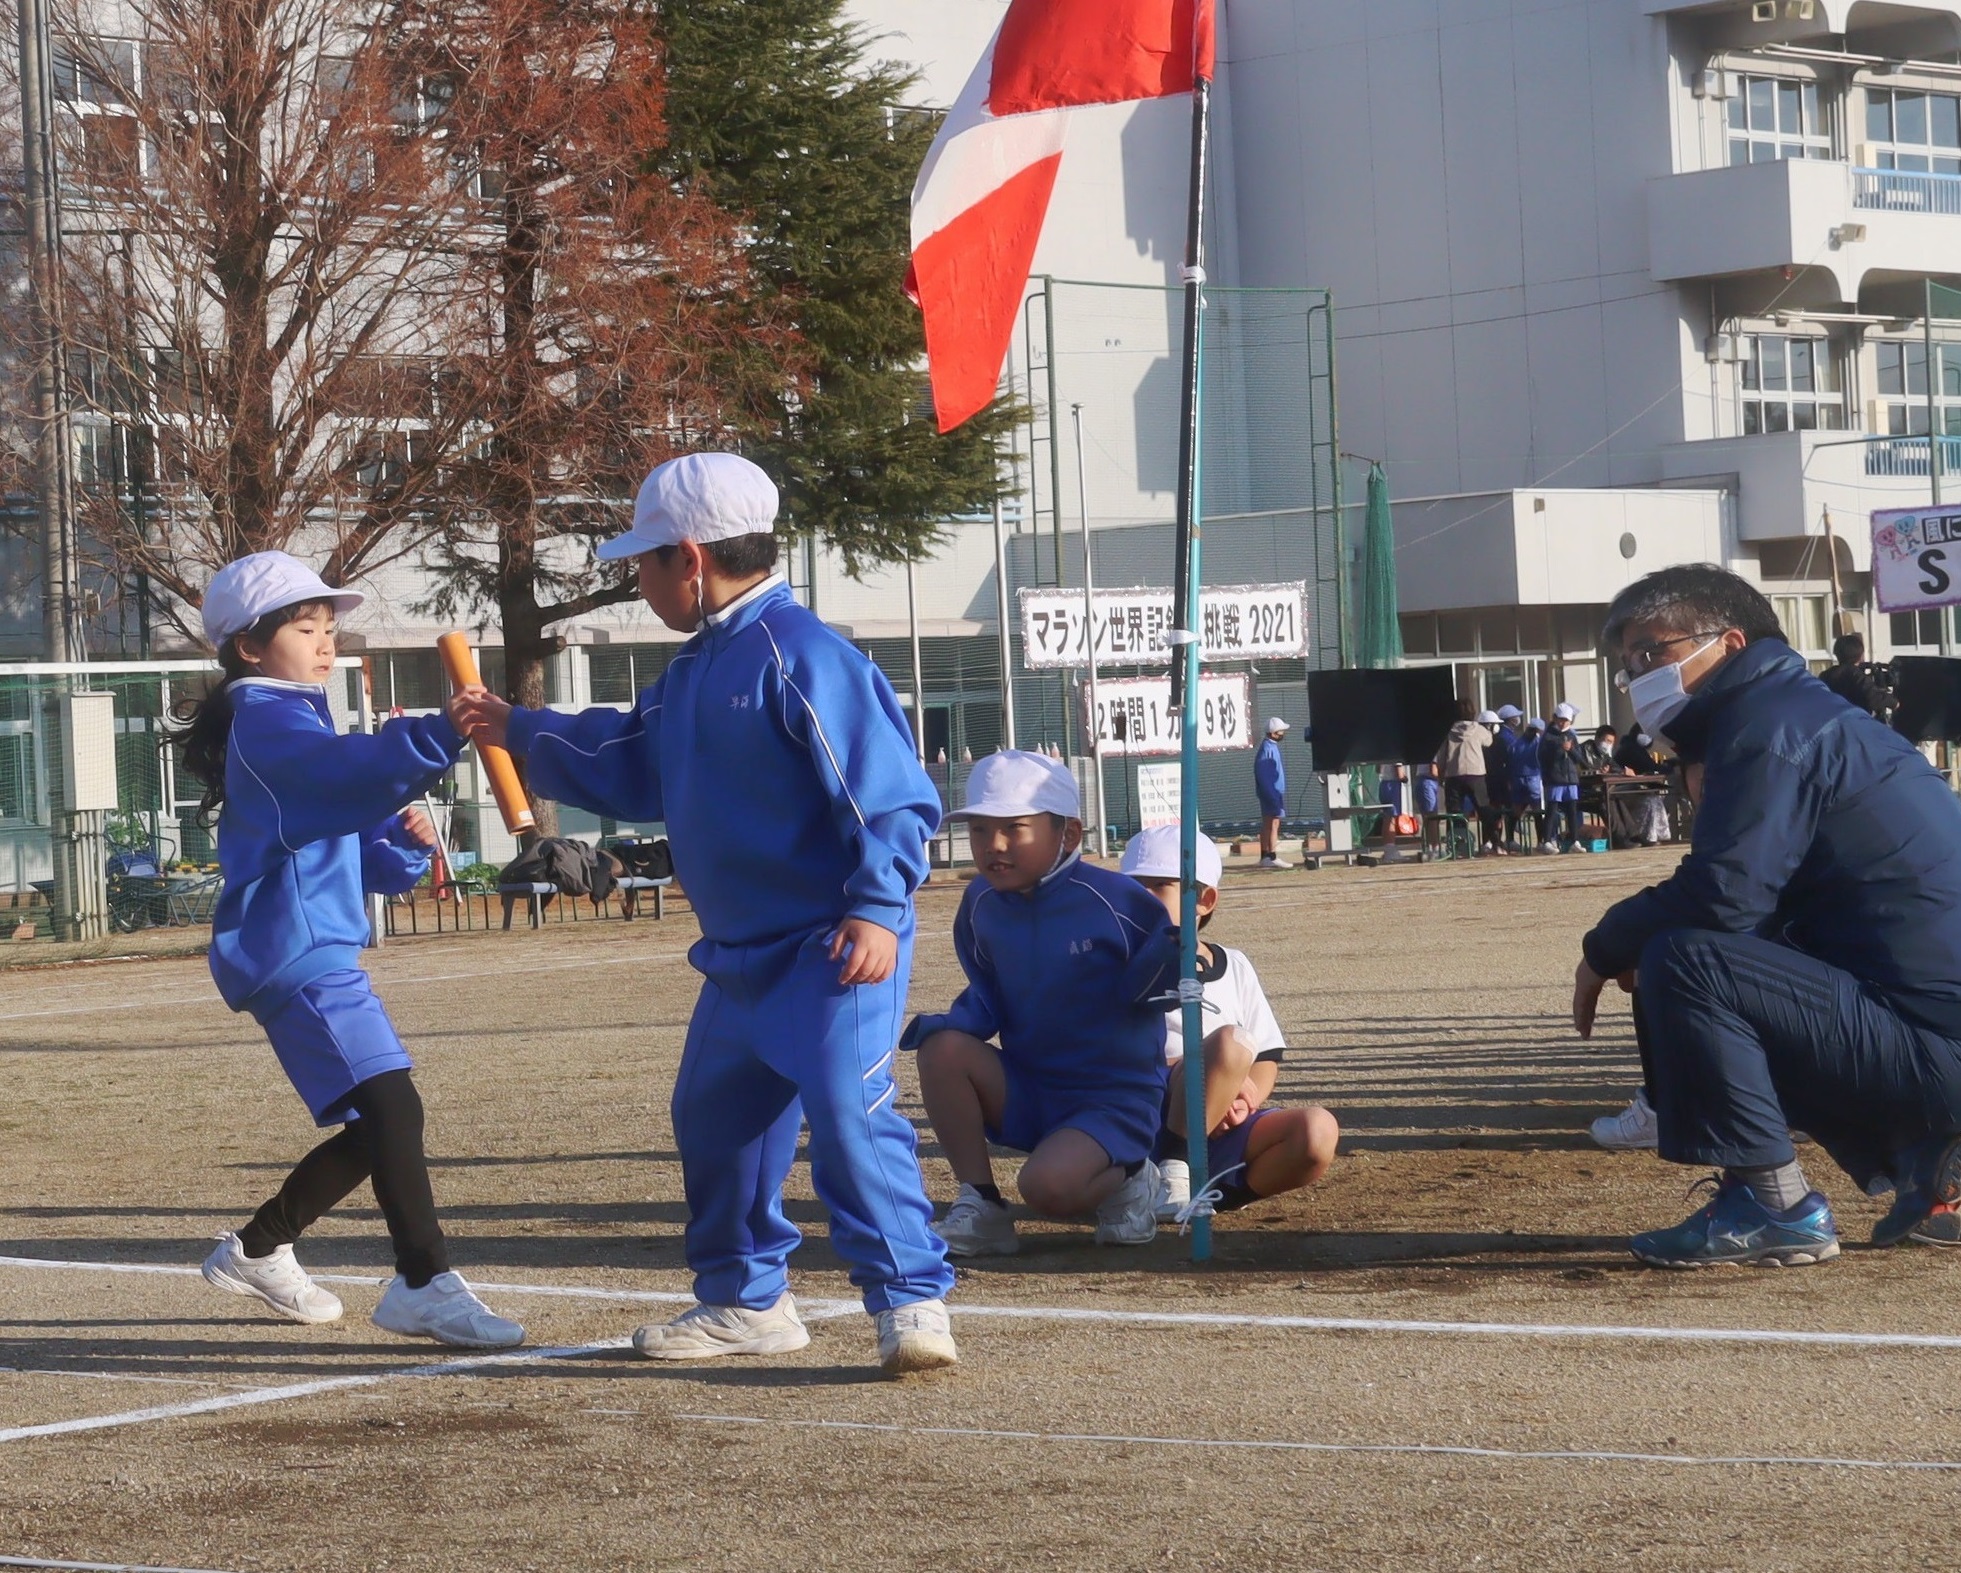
{"x": 1441, "y": 1358}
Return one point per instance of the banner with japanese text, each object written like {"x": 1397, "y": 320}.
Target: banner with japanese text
{"x": 1237, "y": 623}
{"x": 1134, "y": 715}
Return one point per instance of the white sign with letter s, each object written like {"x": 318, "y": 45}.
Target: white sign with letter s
{"x": 1916, "y": 558}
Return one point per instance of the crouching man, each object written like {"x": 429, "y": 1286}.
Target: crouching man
{"x": 1802, "y": 966}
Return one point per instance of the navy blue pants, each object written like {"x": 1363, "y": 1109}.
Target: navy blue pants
{"x": 1747, "y": 1039}
{"x": 777, "y": 1041}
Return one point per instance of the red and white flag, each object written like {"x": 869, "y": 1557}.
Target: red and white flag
{"x": 981, "y": 198}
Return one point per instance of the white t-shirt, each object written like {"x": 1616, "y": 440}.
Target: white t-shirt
{"x": 1232, "y": 990}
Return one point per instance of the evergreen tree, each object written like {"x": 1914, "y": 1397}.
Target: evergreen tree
{"x": 776, "y": 112}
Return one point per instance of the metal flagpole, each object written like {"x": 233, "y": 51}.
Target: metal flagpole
{"x": 1007, "y": 647}
{"x": 918, "y": 672}
{"x": 1185, "y": 668}
{"x": 1089, "y": 624}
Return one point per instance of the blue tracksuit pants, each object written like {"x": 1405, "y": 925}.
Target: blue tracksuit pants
{"x": 777, "y": 1041}
{"x": 1747, "y": 1039}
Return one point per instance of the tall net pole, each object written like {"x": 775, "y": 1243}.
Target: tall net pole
{"x": 1185, "y": 670}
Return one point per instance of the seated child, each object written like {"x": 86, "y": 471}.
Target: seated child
{"x": 1067, "y": 965}
{"x": 1254, "y": 1151}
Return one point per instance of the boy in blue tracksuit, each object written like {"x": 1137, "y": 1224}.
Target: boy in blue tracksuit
{"x": 799, "y": 814}
{"x": 1068, "y": 965}
{"x": 1270, "y": 785}
{"x": 308, "y": 822}
{"x": 1528, "y": 781}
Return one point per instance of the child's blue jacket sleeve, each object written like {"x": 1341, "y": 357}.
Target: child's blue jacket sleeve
{"x": 1270, "y": 771}
{"x": 324, "y": 783}
{"x": 1153, "y": 968}
{"x": 882, "y": 803}
{"x": 390, "y": 862}
{"x": 974, "y": 1010}
{"x": 605, "y": 761}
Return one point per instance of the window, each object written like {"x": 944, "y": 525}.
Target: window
{"x": 1921, "y": 630}
{"x": 1776, "y": 117}
{"x": 101, "y": 71}
{"x": 619, "y": 671}
{"x": 381, "y": 461}
{"x": 1802, "y": 618}
{"x": 1901, "y": 408}
{"x": 1914, "y": 131}
{"x": 96, "y": 84}
{"x": 415, "y": 680}
{"x": 1791, "y": 384}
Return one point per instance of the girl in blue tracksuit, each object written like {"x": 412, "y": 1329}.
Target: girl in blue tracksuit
{"x": 785, "y": 772}
{"x": 308, "y": 821}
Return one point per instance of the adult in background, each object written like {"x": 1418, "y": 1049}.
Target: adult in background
{"x": 1559, "y": 764}
{"x": 1461, "y": 763}
{"x": 1270, "y": 781}
{"x": 1498, "y": 774}
{"x": 1802, "y": 965}
{"x": 1851, "y": 679}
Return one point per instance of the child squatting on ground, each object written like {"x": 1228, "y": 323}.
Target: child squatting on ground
{"x": 1068, "y": 965}
{"x": 309, "y": 820}
{"x": 799, "y": 815}
{"x": 1253, "y": 1151}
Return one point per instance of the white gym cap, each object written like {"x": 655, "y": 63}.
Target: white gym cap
{"x": 1275, "y": 724}
{"x": 1510, "y": 713}
{"x": 697, "y": 497}
{"x": 1564, "y": 712}
{"x": 1487, "y": 717}
{"x": 1011, "y": 784}
{"x": 1535, "y": 725}
{"x": 241, "y": 593}
{"x": 1154, "y": 854}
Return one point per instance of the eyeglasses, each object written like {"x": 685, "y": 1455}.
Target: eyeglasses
{"x": 1648, "y": 652}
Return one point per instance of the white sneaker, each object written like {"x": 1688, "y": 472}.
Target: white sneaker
{"x": 1275, "y": 862}
{"x": 1130, "y": 1217}
{"x": 974, "y": 1226}
{"x": 1632, "y": 1130}
{"x": 1174, "y": 1188}
{"x": 1547, "y": 849}
{"x": 707, "y": 1332}
{"x": 915, "y": 1337}
{"x": 276, "y": 1279}
{"x": 447, "y": 1310}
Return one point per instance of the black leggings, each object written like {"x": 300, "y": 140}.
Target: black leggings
{"x": 383, "y": 1146}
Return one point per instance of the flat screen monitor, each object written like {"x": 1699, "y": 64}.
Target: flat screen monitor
{"x": 1928, "y": 691}
{"x": 1380, "y": 717}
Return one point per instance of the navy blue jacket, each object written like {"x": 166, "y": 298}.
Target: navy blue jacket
{"x": 1270, "y": 778}
{"x": 1819, "y": 827}
{"x": 1064, "y": 975}
{"x": 780, "y": 762}
{"x": 1559, "y": 757}
{"x": 311, "y": 821}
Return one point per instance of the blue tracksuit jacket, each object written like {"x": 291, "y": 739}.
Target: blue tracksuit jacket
{"x": 1270, "y": 779}
{"x": 1819, "y": 827}
{"x": 310, "y": 823}
{"x": 779, "y": 759}
{"x": 1524, "y": 767}
{"x": 1063, "y": 975}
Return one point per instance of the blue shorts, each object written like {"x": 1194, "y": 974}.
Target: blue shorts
{"x": 1563, "y": 794}
{"x": 1224, "y": 1154}
{"x": 1272, "y": 808}
{"x": 330, "y": 1037}
{"x": 1123, "y": 1123}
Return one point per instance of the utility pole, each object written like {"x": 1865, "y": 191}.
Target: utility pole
{"x": 1095, "y": 728}
{"x": 75, "y": 840}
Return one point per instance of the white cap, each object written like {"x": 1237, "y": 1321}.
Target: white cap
{"x": 1275, "y": 724}
{"x": 241, "y": 593}
{"x": 1509, "y": 713}
{"x": 1564, "y": 712}
{"x": 1154, "y": 854}
{"x": 1011, "y": 784}
{"x": 697, "y": 497}
{"x": 1487, "y": 717}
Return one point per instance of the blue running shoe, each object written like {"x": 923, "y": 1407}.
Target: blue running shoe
{"x": 1734, "y": 1227}
{"x": 1924, "y": 1205}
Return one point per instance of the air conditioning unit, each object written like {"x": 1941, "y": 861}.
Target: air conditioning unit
{"x": 88, "y": 737}
{"x": 1764, "y": 11}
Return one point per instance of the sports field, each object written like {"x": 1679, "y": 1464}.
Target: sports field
{"x": 1441, "y": 1358}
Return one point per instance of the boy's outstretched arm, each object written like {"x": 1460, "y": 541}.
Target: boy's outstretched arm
{"x": 606, "y": 761}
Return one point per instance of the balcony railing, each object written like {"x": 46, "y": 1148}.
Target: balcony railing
{"x": 1907, "y": 456}
{"x": 1906, "y": 191}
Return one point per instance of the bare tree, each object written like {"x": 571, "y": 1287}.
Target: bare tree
{"x": 619, "y": 326}
{"x": 374, "y": 282}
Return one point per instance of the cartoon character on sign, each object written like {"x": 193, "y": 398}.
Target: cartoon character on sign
{"x": 1900, "y": 539}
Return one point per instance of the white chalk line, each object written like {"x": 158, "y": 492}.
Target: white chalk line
{"x": 97, "y": 1567}
{"x": 293, "y": 1390}
{"x": 814, "y": 1310}
{"x": 1248, "y": 1445}
{"x": 114, "y": 1376}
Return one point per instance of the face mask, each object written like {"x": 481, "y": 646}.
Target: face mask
{"x": 1658, "y": 696}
